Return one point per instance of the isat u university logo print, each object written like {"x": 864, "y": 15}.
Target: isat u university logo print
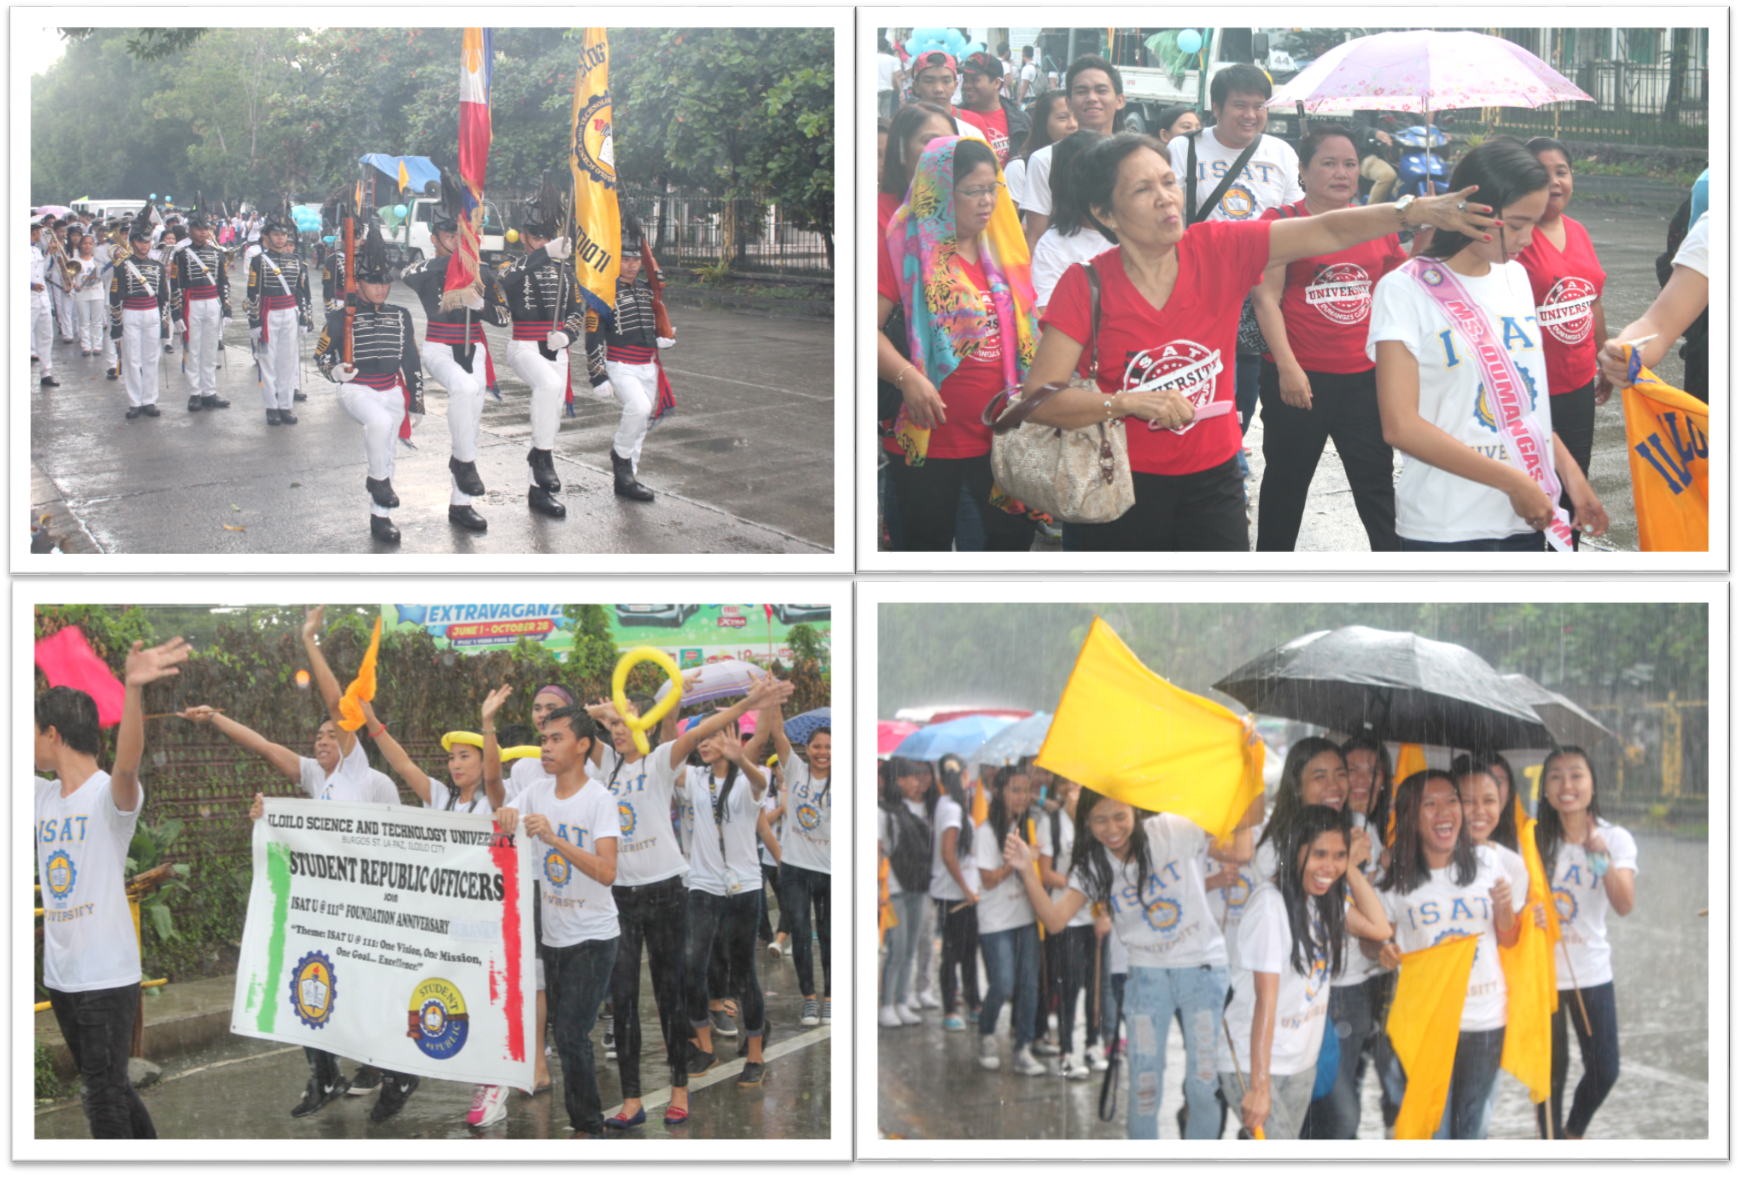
{"x": 556, "y": 868}
{"x": 625, "y": 818}
{"x": 313, "y": 987}
{"x": 63, "y": 874}
{"x": 438, "y": 1021}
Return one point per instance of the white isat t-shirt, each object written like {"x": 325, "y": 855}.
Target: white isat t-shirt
{"x": 88, "y": 940}
{"x": 1006, "y": 905}
{"x": 1270, "y": 177}
{"x": 1226, "y": 905}
{"x": 737, "y": 870}
{"x": 1163, "y": 920}
{"x": 1061, "y": 854}
{"x": 1054, "y": 253}
{"x": 1694, "y": 254}
{"x": 445, "y": 797}
{"x": 577, "y": 907}
{"x": 888, "y": 835}
{"x": 1438, "y": 909}
{"x": 1433, "y": 504}
{"x": 1265, "y": 945}
{"x": 809, "y": 807}
{"x": 648, "y": 851}
{"x": 685, "y": 818}
{"x": 352, "y": 780}
{"x": 1036, "y": 192}
{"x": 1582, "y": 902}
{"x": 771, "y": 806}
{"x": 948, "y": 816}
{"x": 526, "y": 772}
{"x": 1356, "y": 966}
{"x": 1015, "y": 177}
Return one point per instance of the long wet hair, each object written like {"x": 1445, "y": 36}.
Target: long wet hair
{"x": 1331, "y": 913}
{"x": 1408, "y": 866}
{"x": 1095, "y": 861}
{"x": 1504, "y": 833}
{"x": 948, "y": 781}
{"x": 1377, "y": 817}
{"x": 1549, "y": 827}
{"x": 998, "y": 815}
{"x": 1289, "y": 794}
{"x": 896, "y": 767}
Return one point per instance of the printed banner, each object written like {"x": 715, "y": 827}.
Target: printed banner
{"x": 1667, "y": 435}
{"x": 398, "y": 937}
{"x": 592, "y": 161}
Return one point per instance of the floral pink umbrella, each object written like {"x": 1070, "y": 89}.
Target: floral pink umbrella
{"x": 1420, "y": 69}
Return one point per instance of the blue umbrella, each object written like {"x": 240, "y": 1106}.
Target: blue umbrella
{"x": 799, "y": 727}
{"x": 959, "y": 736}
{"x": 1017, "y": 742}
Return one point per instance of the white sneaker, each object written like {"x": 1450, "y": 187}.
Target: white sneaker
{"x": 889, "y": 1018}
{"x": 908, "y": 1016}
{"x": 988, "y": 1053}
{"x": 1068, "y": 1068}
{"x": 1045, "y": 1049}
{"x": 488, "y": 1105}
{"x": 1096, "y": 1058}
{"x": 1026, "y": 1064}
{"x": 927, "y": 999}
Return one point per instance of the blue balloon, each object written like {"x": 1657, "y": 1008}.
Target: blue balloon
{"x": 154, "y": 196}
{"x": 1189, "y": 40}
{"x": 329, "y": 239}
{"x": 398, "y": 210}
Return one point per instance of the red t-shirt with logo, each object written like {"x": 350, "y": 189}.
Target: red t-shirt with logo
{"x": 887, "y": 204}
{"x": 995, "y": 125}
{"x": 969, "y": 388}
{"x": 1327, "y": 301}
{"x": 1189, "y": 345}
{"x": 1566, "y": 284}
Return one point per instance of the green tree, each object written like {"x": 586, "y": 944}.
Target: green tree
{"x": 797, "y": 168}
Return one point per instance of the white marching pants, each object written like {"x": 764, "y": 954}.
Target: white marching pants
{"x": 548, "y": 380}
{"x": 205, "y": 322}
{"x": 637, "y": 388}
{"x": 280, "y": 356}
{"x": 464, "y": 401}
{"x": 64, "y": 312}
{"x": 42, "y": 332}
{"x": 379, "y": 411}
{"x": 141, "y": 353}
{"x": 94, "y": 325}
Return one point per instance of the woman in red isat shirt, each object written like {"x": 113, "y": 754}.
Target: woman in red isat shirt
{"x": 1316, "y": 381}
{"x": 1168, "y": 361}
{"x": 970, "y": 333}
{"x": 1567, "y": 280}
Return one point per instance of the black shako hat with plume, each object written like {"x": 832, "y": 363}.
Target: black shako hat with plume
{"x": 451, "y": 209}
{"x": 371, "y": 257}
{"x": 543, "y": 215}
{"x": 633, "y": 234}
{"x": 141, "y": 225}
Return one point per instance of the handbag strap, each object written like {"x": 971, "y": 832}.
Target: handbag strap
{"x": 1007, "y": 420}
{"x": 1197, "y": 215}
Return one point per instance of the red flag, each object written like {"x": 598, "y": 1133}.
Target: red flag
{"x": 477, "y": 51}
{"x": 67, "y": 660}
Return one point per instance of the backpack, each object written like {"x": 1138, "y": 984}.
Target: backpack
{"x": 909, "y": 860}
{"x": 1695, "y": 351}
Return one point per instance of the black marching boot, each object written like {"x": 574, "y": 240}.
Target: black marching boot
{"x": 464, "y": 516}
{"x": 543, "y": 469}
{"x": 465, "y": 476}
{"x": 545, "y": 503}
{"x": 381, "y": 491}
{"x": 382, "y": 529}
{"x": 626, "y": 486}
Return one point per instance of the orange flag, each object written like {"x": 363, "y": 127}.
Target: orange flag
{"x": 1530, "y": 982}
{"x": 1425, "y": 1019}
{"x": 1409, "y": 760}
{"x": 361, "y": 688}
{"x": 1667, "y": 438}
{"x": 885, "y": 910}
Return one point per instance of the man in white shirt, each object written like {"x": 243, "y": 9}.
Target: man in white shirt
{"x": 41, "y": 306}
{"x": 887, "y": 77}
{"x": 84, "y": 822}
{"x": 1027, "y": 81}
{"x": 1096, "y": 97}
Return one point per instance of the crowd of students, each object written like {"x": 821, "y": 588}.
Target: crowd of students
{"x": 1225, "y": 268}
{"x": 662, "y": 848}
{"x": 1275, "y": 949}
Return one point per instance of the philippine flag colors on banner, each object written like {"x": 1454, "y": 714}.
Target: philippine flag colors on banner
{"x": 476, "y": 54}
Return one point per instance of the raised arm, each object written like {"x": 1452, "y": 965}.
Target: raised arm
{"x": 492, "y": 784}
{"x": 732, "y": 746}
{"x": 758, "y": 696}
{"x": 278, "y": 756}
{"x": 324, "y": 678}
{"x": 396, "y": 755}
{"x": 1018, "y": 855}
{"x": 143, "y": 666}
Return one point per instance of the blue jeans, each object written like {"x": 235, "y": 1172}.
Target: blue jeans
{"x": 1600, "y": 1057}
{"x": 1469, "y": 1107}
{"x": 1151, "y": 999}
{"x": 576, "y": 978}
{"x": 798, "y": 890}
{"x": 1011, "y": 967}
{"x": 902, "y": 945}
{"x": 1522, "y": 541}
{"x": 97, "y": 1025}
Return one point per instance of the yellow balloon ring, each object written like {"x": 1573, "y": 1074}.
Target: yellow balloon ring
{"x": 639, "y": 725}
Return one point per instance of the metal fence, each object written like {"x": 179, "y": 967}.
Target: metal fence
{"x": 1641, "y": 105}
{"x": 1661, "y": 758}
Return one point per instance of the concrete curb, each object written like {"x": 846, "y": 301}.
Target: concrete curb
{"x": 189, "y": 1017}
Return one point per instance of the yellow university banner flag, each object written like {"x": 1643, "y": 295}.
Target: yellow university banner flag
{"x": 592, "y": 160}
{"x": 1667, "y": 438}
{"x": 1532, "y": 990}
{"x": 1122, "y": 730}
{"x": 1409, "y": 760}
{"x": 1425, "y": 1018}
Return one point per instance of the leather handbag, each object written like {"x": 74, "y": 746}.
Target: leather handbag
{"x": 1073, "y": 475}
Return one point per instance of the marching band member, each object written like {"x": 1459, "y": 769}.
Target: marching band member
{"x": 138, "y": 317}
{"x": 279, "y": 313}
{"x": 201, "y": 294}
{"x": 623, "y": 361}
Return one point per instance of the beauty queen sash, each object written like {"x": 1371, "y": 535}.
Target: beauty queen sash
{"x": 1524, "y": 442}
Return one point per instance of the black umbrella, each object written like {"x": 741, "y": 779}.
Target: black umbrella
{"x": 1568, "y": 723}
{"x": 1399, "y": 686}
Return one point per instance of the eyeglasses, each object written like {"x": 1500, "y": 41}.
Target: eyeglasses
{"x": 981, "y": 193}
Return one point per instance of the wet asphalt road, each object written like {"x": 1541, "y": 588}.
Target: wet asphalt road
{"x": 245, "y": 1089}
{"x": 743, "y": 466}
{"x": 931, "y": 1086}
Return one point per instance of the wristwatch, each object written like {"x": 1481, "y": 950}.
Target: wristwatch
{"x": 1402, "y": 209}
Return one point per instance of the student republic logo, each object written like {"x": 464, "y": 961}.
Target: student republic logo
{"x": 438, "y": 1021}
{"x": 63, "y": 875}
{"x": 1182, "y": 366}
{"x": 313, "y": 988}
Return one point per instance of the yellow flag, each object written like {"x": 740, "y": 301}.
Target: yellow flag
{"x": 592, "y": 160}
{"x": 1667, "y": 438}
{"x": 1410, "y": 760}
{"x": 1125, "y": 732}
{"x": 362, "y": 687}
{"x": 1425, "y": 1018}
{"x": 404, "y": 177}
{"x": 1532, "y": 991}
{"x": 885, "y": 916}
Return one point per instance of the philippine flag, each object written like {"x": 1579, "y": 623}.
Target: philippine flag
{"x": 476, "y": 57}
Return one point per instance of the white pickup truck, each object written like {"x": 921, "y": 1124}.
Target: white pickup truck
{"x": 411, "y": 240}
